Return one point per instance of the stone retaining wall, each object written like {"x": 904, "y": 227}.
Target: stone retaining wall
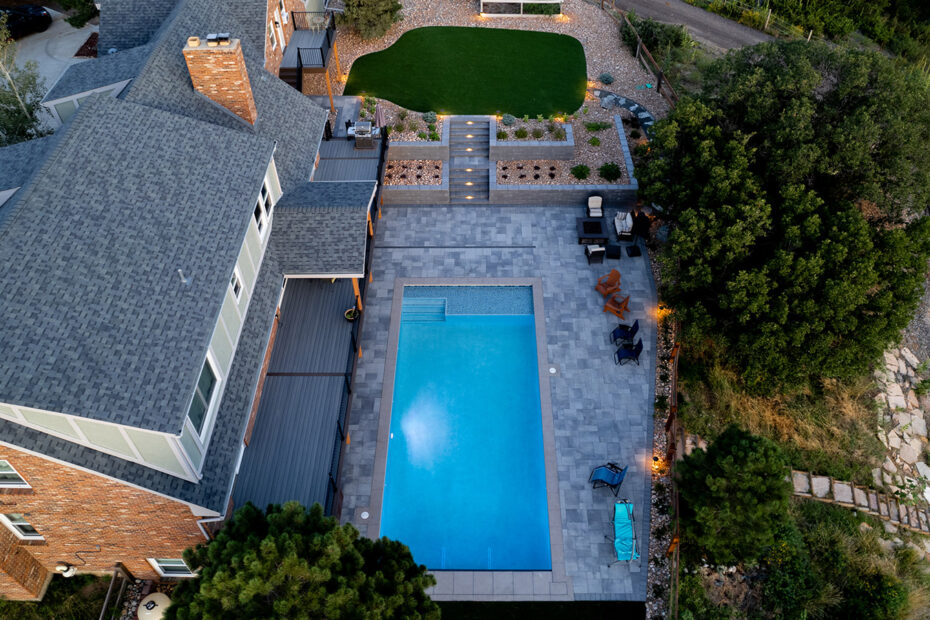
{"x": 418, "y": 194}
{"x": 623, "y": 196}
{"x": 513, "y": 150}
{"x": 421, "y": 150}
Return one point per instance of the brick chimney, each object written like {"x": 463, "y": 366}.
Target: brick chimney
{"x": 217, "y": 70}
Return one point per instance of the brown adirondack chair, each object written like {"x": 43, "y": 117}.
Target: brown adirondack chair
{"x": 617, "y": 306}
{"x": 609, "y": 284}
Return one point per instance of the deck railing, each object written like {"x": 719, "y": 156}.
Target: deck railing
{"x": 312, "y": 20}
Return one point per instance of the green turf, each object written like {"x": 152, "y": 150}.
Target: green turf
{"x": 454, "y": 70}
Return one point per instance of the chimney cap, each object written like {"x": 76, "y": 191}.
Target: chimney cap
{"x": 223, "y": 38}
{"x": 193, "y": 41}
{"x": 212, "y": 40}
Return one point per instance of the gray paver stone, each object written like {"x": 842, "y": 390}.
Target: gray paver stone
{"x": 842, "y": 492}
{"x": 801, "y": 482}
{"x": 820, "y": 486}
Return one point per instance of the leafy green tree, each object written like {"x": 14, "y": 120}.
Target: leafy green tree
{"x": 796, "y": 189}
{"x": 21, "y": 91}
{"x": 84, "y": 11}
{"x": 371, "y": 18}
{"x": 295, "y": 563}
{"x": 733, "y": 497}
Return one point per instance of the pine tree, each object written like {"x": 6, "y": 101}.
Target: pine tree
{"x": 371, "y": 18}
{"x": 295, "y": 563}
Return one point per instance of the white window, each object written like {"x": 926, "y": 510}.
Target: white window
{"x": 235, "y": 284}
{"x": 20, "y": 526}
{"x": 203, "y": 395}
{"x": 263, "y": 208}
{"x": 167, "y": 567}
{"x": 271, "y": 38}
{"x": 10, "y": 478}
{"x": 283, "y": 11}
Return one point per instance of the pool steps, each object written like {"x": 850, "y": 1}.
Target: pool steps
{"x": 424, "y": 309}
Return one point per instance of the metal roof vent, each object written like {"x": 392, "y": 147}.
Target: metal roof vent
{"x": 185, "y": 281}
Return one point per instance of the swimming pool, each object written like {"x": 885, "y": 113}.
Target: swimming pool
{"x": 465, "y": 483}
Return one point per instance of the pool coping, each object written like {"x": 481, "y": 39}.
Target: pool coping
{"x": 553, "y": 584}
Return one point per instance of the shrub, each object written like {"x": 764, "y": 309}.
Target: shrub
{"x": 605, "y": 78}
{"x": 541, "y": 9}
{"x": 658, "y": 37}
{"x": 594, "y": 141}
{"x": 598, "y": 126}
{"x": 558, "y": 134}
{"x": 501, "y": 134}
{"x": 431, "y": 126}
{"x": 434, "y": 136}
{"x": 521, "y": 133}
{"x": 508, "y": 119}
{"x": 537, "y": 133}
{"x": 429, "y": 117}
{"x": 610, "y": 171}
{"x": 526, "y": 118}
{"x": 399, "y": 127}
{"x": 371, "y": 18}
{"x": 402, "y": 115}
{"x": 635, "y": 134}
{"x": 422, "y": 135}
{"x": 734, "y": 496}
{"x": 551, "y": 127}
{"x": 584, "y": 110}
{"x": 540, "y": 118}
{"x": 580, "y": 171}
{"x": 791, "y": 581}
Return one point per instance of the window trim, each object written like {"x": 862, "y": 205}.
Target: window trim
{"x": 236, "y": 279}
{"x": 201, "y": 435}
{"x": 271, "y": 35}
{"x": 16, "y": 531}
{"x": 154, "y": 562}
{"x": 14, "y": 485}
{"x": 283, "y": 10}
{"x": 264, "y": 205}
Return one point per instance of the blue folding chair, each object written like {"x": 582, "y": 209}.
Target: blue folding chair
{"x": 625, "y": 544}
{"x": 625, "y": 355}
{"x": 624, "y": 333}
{"x": 609, "y": 475}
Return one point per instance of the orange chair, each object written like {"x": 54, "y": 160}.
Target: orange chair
{"x": 617, "y": 306}
{"x": 609, "y": 284}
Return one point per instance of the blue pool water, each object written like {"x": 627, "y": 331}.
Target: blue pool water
{"x": 465, "y": 485}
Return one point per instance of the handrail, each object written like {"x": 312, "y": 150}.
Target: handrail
{"x": 311, "y": 20}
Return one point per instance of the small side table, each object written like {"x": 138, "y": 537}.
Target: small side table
{"x": 614, "y": 250}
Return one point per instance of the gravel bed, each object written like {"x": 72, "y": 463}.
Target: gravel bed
{"x": 608, "y": 150}
{"x": 413, "y": 123}
{"x": 594, "y": 28}
{"x": 413, "y": 172}
{"x": 545, "y": 127}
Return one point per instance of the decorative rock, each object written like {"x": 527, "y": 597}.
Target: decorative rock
{"x": 886, "y": 545}
{"x": 918, "y": 424}
{"x": 927, "y": 494}
{"x": 912, "y": 399}
{"x": 886, "y": 477}
{"x": 891, "y": 362}
{"x": 842, "y": 492}
{"x": 888, "y": 466}
{"x": 894, "y": 440}
{"x": 876, "y": 477}
{"x": 902, "y": 367}
{"x": 820, "y": 485}
{"x": 909, "y": 357}
{"x": 882, "y": 438}
{"x": 865, "y": 527}
{"x": 909, "y": 454}
{"x": 890, "y": 527}
{"x": 923, "y": 469}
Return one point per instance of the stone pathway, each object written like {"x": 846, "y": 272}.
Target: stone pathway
{"x": 469, "y": 147}
{"x": 611, "y": 100}
{"x": 912, "y": 516}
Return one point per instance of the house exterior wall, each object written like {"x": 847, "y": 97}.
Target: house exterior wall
{"x": 75, "y": 511}
{"x": 282, "y": 23}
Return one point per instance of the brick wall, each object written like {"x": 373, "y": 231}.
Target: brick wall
{"x": 273, "y": 56}
{"x": 219, "y": 73}
{"x": 75, "y": 511}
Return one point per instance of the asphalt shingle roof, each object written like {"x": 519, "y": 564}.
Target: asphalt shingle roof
{"x": 19, "y": 161}
{"x": 99, "y": 72}
{"x": 103, "y": 327}
{"x": 321, "y": 228}
{"x": 125, "y": 24}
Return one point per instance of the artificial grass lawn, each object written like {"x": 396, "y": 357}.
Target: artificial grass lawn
{"x": 453, "y": 70}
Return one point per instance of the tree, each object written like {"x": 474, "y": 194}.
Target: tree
{"x": 372, "y": 18}
{"x": 295, "y": 563}
{"x": 733, "y": 497}
{"x": 796, "y": 188}
{"x": 21, "y": 91}
{"x": 84, "y": 11}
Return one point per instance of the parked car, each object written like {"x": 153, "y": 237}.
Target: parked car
{"x": 26, "y": 19}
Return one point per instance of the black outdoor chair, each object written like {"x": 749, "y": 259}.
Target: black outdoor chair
{"x": 629, "y": 354}
{"x": 624, "y": 333}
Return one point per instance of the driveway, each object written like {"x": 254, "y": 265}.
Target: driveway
{"x": 707, "y": 28}
{"x": 53, "y": 50}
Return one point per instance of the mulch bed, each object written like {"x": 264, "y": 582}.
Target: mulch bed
{"x": 89, "y": 49}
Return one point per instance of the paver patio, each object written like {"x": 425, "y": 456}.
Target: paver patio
{"x": 602, "y": 412}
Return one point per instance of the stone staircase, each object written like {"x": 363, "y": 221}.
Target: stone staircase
{"x": 469, "y": 143}
{"x": 914, "y": 516}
